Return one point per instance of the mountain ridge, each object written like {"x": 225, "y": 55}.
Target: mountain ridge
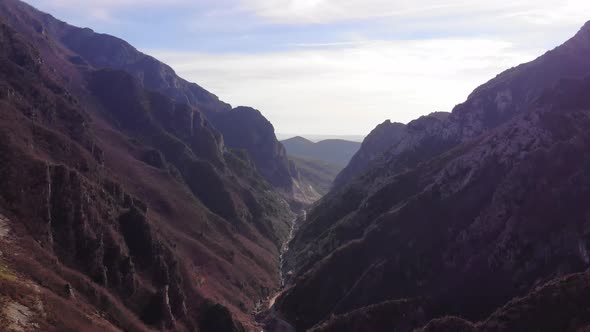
{"x": 488, "y": 106}
{"x": 98, "y": 50}
{"x": 371, "y": 240}
{"x": 333, "y": 151}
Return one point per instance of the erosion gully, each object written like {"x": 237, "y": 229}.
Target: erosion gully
{"x": 269, "y": 318}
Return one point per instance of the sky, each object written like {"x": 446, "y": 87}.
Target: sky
{"x": 334, "y": 67}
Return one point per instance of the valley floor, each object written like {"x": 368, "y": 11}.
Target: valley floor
{"x": 270, "y": 319}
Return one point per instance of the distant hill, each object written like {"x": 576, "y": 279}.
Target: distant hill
{"x": 317, "y": 173}
{"x": 333, "y": 151}
{"x": 317, "y": 138}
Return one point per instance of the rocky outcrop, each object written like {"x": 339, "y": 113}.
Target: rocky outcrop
{"x": 247, "y": 129}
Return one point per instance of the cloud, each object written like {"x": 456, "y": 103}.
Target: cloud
{"x": 328, "y": 11}
{"x": 335, "y": 66}
{"x": 103, "y": 10}
{"x": 348, "y": 89}
{"x": 332, "y": 11}
{"x": 111, "y": 4}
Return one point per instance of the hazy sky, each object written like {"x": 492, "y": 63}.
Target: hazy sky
{"x": 334, "y": 66}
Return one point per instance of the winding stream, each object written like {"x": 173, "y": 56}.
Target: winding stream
{"x": 285, "y": 247}
{"x": 273, "y": 321}
{"x": 284, "y": 250}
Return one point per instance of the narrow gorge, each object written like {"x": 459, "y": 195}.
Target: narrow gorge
{"x": 134, "y": 200}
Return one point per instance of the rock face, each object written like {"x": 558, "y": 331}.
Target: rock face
{"x": 116, "y": 183}
{"x": 247, "y": 129}
{"x": 461, "y": 214}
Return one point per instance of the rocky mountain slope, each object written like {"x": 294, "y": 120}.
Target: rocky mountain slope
{"x": 87, "y": 48}
{"x": 332, "y": 151}
{"x": 374, "y": 145}
{"x": 490, "y": 105}
{"x": 463, "y": 213}
{"x": 133, "y": 200}
{"x": 559, "y": 305}
{"x": 122, "y": 206}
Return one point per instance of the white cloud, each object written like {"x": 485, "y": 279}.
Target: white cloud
{"x": 349, "y": 89}
{"x": 326, "y": 11}
{"x": 111, "y": 4}
{"x": 340, "y": 81}
{"x": 102, "y": 10}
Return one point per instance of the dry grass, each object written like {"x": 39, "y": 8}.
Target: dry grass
{"x": 6, "y": 273}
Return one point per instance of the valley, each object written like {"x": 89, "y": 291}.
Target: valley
{"x": 134, "y": 200}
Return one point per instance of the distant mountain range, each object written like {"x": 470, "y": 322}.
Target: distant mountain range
{"x": 318, "y": 163}
{"x": 333, "y": 151}
{"x": 319, "y": 137}
{"x": 316, "y": 173}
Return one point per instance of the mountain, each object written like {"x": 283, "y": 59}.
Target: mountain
{"x": 381, "y": 139}
{"x": 133, "y": 200}
{"x": 84, "y": 47}
{"x": 247, "y": 129}
{"x": 490, "y": 105}
{"x": 318, "y": 174}
{"x": 461, "y": 214}
{"x": 332, "y": 151}
{"x": 373, "y": 146}
{"x": 123, "y": 204}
